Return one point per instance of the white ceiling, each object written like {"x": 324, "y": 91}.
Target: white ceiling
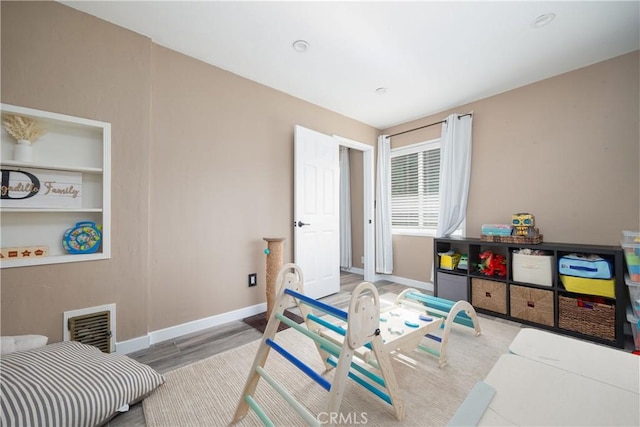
{"x": 431, "y": 56}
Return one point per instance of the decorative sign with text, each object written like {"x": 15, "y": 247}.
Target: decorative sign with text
{"x": 24, "y": 252}
{"x": 40, "y": 188}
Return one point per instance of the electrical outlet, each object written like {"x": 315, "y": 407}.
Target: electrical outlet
{"x": 253, "y": 279}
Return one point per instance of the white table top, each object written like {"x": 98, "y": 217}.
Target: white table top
{"x": 537, "y": 394}
{"x": 608, "y": 365}
{"x": 393, "y": 330}
{"x": 394, "y": 318}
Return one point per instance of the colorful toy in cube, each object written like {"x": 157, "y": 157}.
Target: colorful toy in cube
{"x": 492, "y": 264}
{"x": 462, "y": 264}
{"x": 449, "y": 260}
{"x": 523, "y": 224}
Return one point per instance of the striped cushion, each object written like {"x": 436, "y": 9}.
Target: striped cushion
{"x": 70, "y": 384}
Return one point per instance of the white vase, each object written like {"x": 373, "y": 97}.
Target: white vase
{"x": 23, "y": 151}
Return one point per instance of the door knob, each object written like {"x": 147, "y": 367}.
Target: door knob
{"x": 302, "y": 224}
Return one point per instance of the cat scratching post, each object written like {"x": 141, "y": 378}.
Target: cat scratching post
{"x": 274, "y": 264}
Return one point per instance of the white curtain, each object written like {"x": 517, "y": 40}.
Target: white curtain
{"x": 455, "y": 173}
{"x": 384, "y": 250}
{"x": 345, "y": 209}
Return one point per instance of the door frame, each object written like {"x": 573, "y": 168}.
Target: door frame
{"x": 368, "y": 202}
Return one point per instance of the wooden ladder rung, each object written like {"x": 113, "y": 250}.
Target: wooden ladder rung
{"x": 301, "y": 410}
{"x": 373, "y": 389}
{"x": 259, "y": 412}
{"x": 299, "y": 364}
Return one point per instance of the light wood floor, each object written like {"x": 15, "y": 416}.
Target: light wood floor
{"x": 173, "y": 354}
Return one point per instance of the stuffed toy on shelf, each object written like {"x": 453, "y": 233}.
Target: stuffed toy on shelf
{"x": 492, "y": 264}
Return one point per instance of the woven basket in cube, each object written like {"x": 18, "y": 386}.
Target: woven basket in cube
{"x": 489, "y": 294}
{"x": 534, "y": 305}
{"x": 586, "y": 317}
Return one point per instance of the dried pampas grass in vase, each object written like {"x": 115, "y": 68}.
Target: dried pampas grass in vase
{"x": 25, "y": 131}
{"x": 22, "y": 128}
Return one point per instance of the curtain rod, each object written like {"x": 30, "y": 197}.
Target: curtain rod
{"x": 432, "y": 124}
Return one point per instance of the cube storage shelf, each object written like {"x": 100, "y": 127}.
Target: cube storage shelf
{"x": 548, "y": 305}
{"x": 70, "y": 146}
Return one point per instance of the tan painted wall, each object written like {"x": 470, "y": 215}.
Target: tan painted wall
{"x": 57, "y": 59}
{"x": 221, "y": 180}
{"x": 565, "y": 149}
{"x": 357, "y": 207}
{"x": 202, "y": 170}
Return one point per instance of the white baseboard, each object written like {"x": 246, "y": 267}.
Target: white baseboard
{"x": 425, "y": 286}
{"x": 354, "y": 270}
{"x": 133, "y": 345}
{"x": 160, "y": 335}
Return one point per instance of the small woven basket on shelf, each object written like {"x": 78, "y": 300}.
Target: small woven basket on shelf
{"x": 534, "y": 305}
{"x": 489, "y": 294}
{"x": 586, "y": 317}
{"x": 524, "y": 240}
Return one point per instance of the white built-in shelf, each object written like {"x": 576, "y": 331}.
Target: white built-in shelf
{"x": 69, "y": 144}
{"x": 16, "y": 164}
{"x": 48, "y": 210}
{"x": 53, "y": 259}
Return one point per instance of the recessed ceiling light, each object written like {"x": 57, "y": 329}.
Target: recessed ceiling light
{"x": 381, "y": 90}
{"x": 300, "y": 46}
{"x": 543, "y": 20}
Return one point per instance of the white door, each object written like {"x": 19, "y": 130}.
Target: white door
{"x": 316, "y": 214}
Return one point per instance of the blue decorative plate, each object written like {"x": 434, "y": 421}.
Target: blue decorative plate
{"x": 84, "y": 238}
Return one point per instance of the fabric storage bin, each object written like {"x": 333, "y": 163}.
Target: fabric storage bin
{"x": 534, "y": 305}
{"x": 635, "y": 327}
{"x": 586, "y": 315}
{"x": 535, "y": 269}
{"x": 489, "y": 294}
{"x": 634, "y": 295}
{"x": 452, "y": 287}
{"x": 587, "y": 266}
{"x": 580, "y": 285}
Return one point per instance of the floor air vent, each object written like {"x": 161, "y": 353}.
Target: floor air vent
{"x": 91, "y": 326}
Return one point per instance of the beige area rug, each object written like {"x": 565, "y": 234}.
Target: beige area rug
{"x": 206, "y": 393}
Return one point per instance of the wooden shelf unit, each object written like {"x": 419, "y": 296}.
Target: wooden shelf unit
{"x": 457, "y": 284}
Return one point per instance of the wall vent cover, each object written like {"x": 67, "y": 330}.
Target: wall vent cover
{"x": 92, "y": 329}
{"x": 89, "y": 324}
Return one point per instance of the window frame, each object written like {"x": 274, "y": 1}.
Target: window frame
{"x": 419, "y": 147}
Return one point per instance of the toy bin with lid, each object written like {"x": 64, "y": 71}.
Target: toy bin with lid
{"x": 631, "y": 245}
{"x": 631, "y": 237}
{"x": 635, "y": 327}
{"x": 634, "y": 295}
